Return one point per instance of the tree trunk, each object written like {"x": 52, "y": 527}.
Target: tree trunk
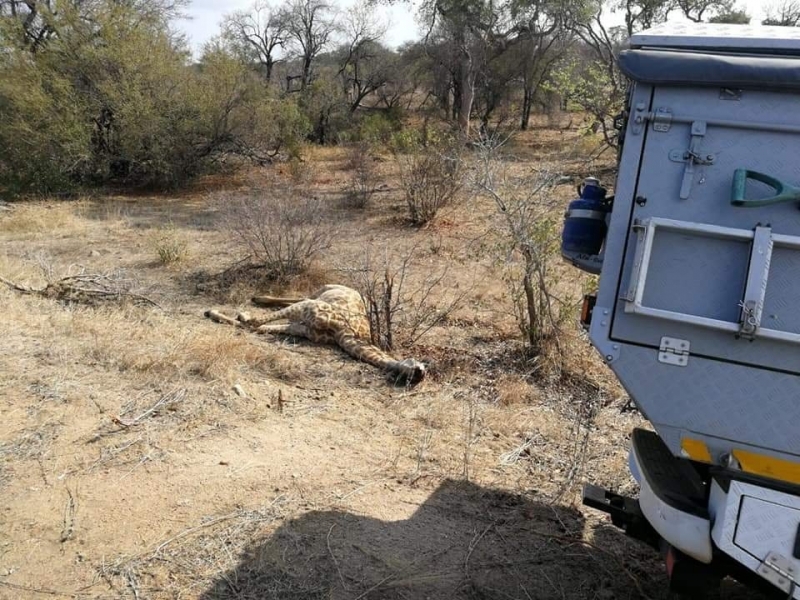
{"x": 530, "y": 300}
{"x": 527, "y": 103}
{"x": 268, "y": 69}
{"x": 306, "y": 72}
{"x": 467, "y": 85}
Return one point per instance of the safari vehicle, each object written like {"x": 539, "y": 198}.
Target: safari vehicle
{"x": 698, "y": 306}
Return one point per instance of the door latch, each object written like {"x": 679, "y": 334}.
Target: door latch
{"x": 693, "y": 157}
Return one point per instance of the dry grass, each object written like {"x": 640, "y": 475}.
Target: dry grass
{"x": 150, "y": 453}
{"x": 53, "y": 219}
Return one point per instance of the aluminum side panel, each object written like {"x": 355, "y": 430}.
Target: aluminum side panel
{"x": 728, "y": 405}
{"x": 619, "y": 226}
{"x": 703, "y": 276}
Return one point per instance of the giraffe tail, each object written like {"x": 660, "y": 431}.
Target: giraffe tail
{"x": 274, "y": 301}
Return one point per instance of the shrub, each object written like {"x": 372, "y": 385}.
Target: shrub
{"x": 432, "y": 178}
{"x": 528, "y": 249}
{"x": 378, "y": 127}
{"x": 363, "y": 175}
{"x": 170, "y": 245}
{"x": 404, "y": 298}
{"x": 111, "y": 97}
{"x": 283, "y": 228}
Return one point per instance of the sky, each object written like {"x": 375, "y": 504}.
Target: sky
{"x": 204, "y": 17}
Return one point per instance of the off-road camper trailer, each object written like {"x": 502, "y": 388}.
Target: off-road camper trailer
{"x": 698, "y": 307}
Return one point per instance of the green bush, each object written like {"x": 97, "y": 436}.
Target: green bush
{"x": 111, "y": 96}
{"x": 379, "y": 127}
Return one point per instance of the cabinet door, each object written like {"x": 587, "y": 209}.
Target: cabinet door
{"x": 722, "y": 278}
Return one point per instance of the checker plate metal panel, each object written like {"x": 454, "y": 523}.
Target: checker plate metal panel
{"x": 701, "y": 275}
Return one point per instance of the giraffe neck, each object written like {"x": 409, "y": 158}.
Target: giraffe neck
{"x": 368, "y": 353}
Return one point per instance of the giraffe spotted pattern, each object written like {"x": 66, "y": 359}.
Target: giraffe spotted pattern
{"x": 334, "y": 315}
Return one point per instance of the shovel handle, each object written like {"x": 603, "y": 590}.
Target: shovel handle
{"x": 783, "y": 191}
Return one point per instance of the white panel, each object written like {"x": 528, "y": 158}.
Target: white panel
{"x": 712, "y": 35}
{"x": 755, "y": 518}
{"x": 765, "y": 527}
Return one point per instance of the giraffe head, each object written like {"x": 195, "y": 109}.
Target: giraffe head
{"x": 410, "y": 371}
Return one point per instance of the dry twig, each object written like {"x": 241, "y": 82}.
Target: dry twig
{"x": 69, "y": 518}
{"x": 165, "y": 400}
{"x": 333, "y": 557}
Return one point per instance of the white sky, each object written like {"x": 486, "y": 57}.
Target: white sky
{"x": 205, "y": 16}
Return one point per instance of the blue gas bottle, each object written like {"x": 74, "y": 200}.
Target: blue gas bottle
{"x": 585, "y": 220}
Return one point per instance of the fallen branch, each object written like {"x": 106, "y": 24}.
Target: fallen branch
{"x": 87, "y": 288}
{"x": 17, "y": 287}
{"x": 165, "y": 400}
{"x": 42, "y": 591}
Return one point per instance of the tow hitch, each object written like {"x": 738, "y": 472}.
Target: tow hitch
{"x": 624, "y": 511}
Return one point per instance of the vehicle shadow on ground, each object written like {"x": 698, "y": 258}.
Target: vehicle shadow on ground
{"x": 464, "y": 541}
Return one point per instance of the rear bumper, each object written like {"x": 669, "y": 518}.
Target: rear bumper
{"x": 689, "y": 533}
{"x": 708, "y": 524}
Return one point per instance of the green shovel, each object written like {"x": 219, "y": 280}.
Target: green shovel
{"x": 783, "y": 191}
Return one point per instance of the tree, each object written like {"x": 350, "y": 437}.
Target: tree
{"x": 734, "y": 17}
{"x": 697, "y": 10}
{"x": 641, "y": 14}
{"x": 37, "y": 21}
{"x": 543, "y": 40}
{"x": 111, "y": 96}
{"x": 470, "y": 26}
{"x": 365, "y": 64}
{"x": 597, "y": 84}
{"x": 784, "y": 13}
{"x": 593, "y": 80}
{"x": 310, "y": 28}
{"x": 258, "y": 34}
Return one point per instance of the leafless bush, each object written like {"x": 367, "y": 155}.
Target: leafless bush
{"x": 282, "y": 227}
{"x": 401, "y": 307}
{"x": 527, "y": 216}
{"x": 431, "y": 179}
{"x": 363, "y": 176}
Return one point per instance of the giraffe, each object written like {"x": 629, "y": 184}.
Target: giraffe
{"x": 334, "y": 315}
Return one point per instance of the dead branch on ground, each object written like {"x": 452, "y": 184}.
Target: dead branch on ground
{"x": 165, "y": 400}
{"x": 85, "y": 288}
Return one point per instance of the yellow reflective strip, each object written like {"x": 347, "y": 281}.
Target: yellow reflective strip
{"x": 696, "y": 450}
{"x": 767, "y": 466}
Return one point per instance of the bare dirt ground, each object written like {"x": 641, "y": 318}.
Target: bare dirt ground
{"x": 323, "y": 480}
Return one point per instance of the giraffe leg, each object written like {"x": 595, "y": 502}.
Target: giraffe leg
{"x": 295, "y": 312}
{"x": 218, "y": 317}
{"x": 294, "y": 329}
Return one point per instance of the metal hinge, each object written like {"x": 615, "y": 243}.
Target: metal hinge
{"x": 662, "y": 119}
{"x": 674, "y": 351}
{"x": 779, "y": 571}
